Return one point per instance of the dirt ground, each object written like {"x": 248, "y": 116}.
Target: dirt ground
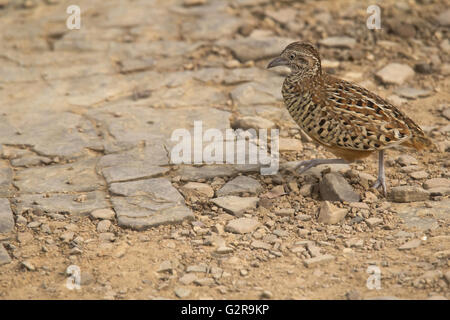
{"x": 202, "y": 258}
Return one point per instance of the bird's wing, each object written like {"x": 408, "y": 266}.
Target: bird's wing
{"x": 357, "y": 119}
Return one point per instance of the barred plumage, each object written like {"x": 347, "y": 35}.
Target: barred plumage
{"x": 347, "y": 119}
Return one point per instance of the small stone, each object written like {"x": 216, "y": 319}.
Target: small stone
{"x": 224, "y": 250}
{"x": 334, "y": 187}
{"x": 412, "y": 244}
{"x": 188, "y": 278}
{"x": 258, "y": 244}
{"x": 357, "y": 243}
{"x": 444, "y": 18}
{"x": 67, "y": 236}
{"x": 412, "y": 93}
{"x": 4, "y": 256}
{"x": 240, "y": 184}
{"x": 242, "y": 225}
{"x": 419, "y": 175}
{"x": 201, "y": 189}
{"x": 330, "y": 214}
{"x": 353, "y": 295}
{"x": 318, "y": 260}
{"x": 395, "y": 73}
{"x": 107, "y": 236}
{"x": 103, "y": 214}
{"x": 202, "y": 268}
{"x": 28, "y": 265}
{"x": 266, "y": 294}
{"x": 409, "y": 194}
{"x": 165, "y": 266}
{"x": 289, "y": 144}
{"x": 182, "y": 292}
{"x": 372, "y": 222}
{"x": 103, "y": 226}
{"x": 204, "y": 282}
{"x": 254, "y": 122}
{"x": 436, "y": 183}
{"x": 285, "y": 212}
{"x": 236, "y": 205}
{"x": 6, "y": 216}
{"x": 406, "y": 160}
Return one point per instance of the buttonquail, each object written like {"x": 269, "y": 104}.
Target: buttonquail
{"x": 345, "y": 118}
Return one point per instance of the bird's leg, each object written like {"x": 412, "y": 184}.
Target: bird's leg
{"x": 308, "y": 164}
{"x": 381, "y": 181}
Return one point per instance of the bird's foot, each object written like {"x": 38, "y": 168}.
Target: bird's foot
{"x": 308, "y": 164}
{"x": 380, "y": 182}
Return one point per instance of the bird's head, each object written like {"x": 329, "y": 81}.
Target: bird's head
{"x": 299, "y": 57}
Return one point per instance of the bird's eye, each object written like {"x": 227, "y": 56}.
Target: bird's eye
{"x": 292, "y": 56}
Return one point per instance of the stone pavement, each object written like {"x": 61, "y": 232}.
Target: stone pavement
{"x": 87, "y": 115}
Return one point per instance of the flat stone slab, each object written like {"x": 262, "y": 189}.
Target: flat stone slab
{"x": 236, "y": 205}
{"x": 77, "y": 204}
{"x": 242, "y": 225}
{"x": 79, "y": 176}
{"x": 240, "y": 184}
{"x": 132, "y": 171}
{"x": 148, "y": 203}
{"x": 6, "y": 216}
{"x": 6, "y": 174}
{"x": 4, "y": 256}
{"x": 421, "y": 217}
{"x": 334, "y": 187}
{"x": 189, "y": 173}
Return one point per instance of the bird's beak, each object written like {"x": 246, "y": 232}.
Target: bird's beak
{"x": 278, "y": 61}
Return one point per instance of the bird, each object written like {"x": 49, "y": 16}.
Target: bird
{"x": 348, "y": 120}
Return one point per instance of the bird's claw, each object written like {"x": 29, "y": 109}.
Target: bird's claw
{"x": 380, "y": 182}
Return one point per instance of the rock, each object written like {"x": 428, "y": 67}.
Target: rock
{"x": 6, "y": 216}
{"x": 436, "y": 183}
{"x": 188, "y": 278}
{"x": 224, "y": 250}
{"x": 240, "y": 184}
{"x": 395, "y": 73}
{"x": 311, "y": 262}
{"x": 28, "y": 265}
{"x": 334, "y": 187}
{"x": 236, "y": 205}
{"x": 330, "y": 214}
{"x": 67, "y": 236}
{"x": 197, "y": 189}
{"x": 409, "y": 194}
{"x": 412, "y": 93}
{"x": 288, "y": 144}
{"x": 103, "y": 226}
{"x": 165, "y": 266}
{"x": 354, "y": 242}
{"x": 242, "y": 225}
{"x": 211, "y": 27}
{"x": 285, "y": 212}
{"x": 406, "y": 160}
{"x": 254, "y": 93}
{"x": 182, "y": 292}
{"x": 412, "y": 244}
{"x": 103, "y": 214}
{"x": 372, "y": 222}
{"x": 147, "y": 203}
{"x": 132, "y": 171}
{"x": 202, "y": 268}
{"x": 419, "y": 175}
{"x": 204, "y": 282}
{"x": 444, "y": 18}
{"x": 266, "y": 294}
{"x": 254, "y": 122}
{"x": 4, "y": 256}
{"x": 446, "y": 113}
{"x": 338, "y": 42}
{"x": 258, "y": 244}
{"x": 424, "y": 68}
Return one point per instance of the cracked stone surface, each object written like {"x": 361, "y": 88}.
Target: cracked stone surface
{"x": 86, "y": 124}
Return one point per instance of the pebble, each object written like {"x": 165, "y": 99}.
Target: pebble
{"x": 418, "y": 175}
{"x": 412, "y": 93}
{"x": 242, "y": 225}
{"x": 28, "y": 265}
{"x": 103, "y": 214}
{"x": 436, "y": 183}
{"x": 290, "y": 144}
{"x": 103, "y": 226}
{"x": 395, "y": 73}
{"x": 236, "y": 205}
{"x": 334, "y": 187}
{"x": 254, "y": 122}
{"x": 240, "y": 184}
{"x": 412, "y": 244}
{"x": 406, "y": 160}
{"x": 204, "y": 282}
{"x": 165, "y": 266}
{"x": 372, "y": 222}
{"x": 311, "y": 262}
{"x": 182, "y": 292}
{"x": 67, "y": 236}
{"x": 200, "y": 189}
{"x": 266, "y": 294}
{"x": 409, "y": 194}
{"x": 188, "y": 278}
{"x": 330, "y": 214}
{"x": 4, "y": 256}
{"x": 258, "y": 244}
